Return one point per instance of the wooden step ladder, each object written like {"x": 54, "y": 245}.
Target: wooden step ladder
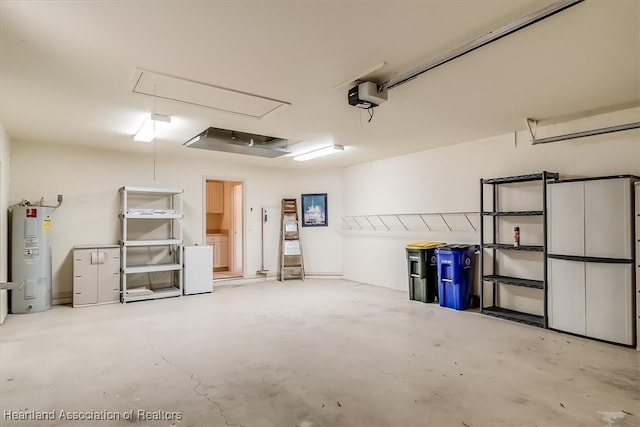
{"x": 291, "y": 260}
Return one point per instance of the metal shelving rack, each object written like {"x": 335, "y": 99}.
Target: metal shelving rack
{"x": 172, "y": 217}
{"x": 497, "y": 279}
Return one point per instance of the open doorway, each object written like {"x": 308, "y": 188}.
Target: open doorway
{"x": 223, "y": 227}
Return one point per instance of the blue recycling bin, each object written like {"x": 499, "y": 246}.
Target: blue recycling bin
{"x": 455, "y": 275}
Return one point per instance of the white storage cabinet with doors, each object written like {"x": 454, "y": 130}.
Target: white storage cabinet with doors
{"x": 591, "y": 258}
{"x": 96, "y": 275}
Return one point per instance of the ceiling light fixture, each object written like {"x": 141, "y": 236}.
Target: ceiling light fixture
{"x": 153, "y": 126}
{"x": 319, "y": 153}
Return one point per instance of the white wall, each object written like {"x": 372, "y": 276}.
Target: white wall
{"x": 322, "y": 245}
{"x": 5, "y": 167}
{"x": 89, "y": 179}
{"x": 447, "y": 180}
{"x": 444, "y": 179}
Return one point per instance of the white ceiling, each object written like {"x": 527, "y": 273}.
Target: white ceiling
{"x": 66, "y": 69}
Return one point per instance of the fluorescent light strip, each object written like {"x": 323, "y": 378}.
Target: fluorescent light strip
{"x": 319, "y": 153}
{"x": 153, "y": 126}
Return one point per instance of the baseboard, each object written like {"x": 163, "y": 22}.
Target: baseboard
{"x": 234, "y": 281}
{"x": 4, "y": 305}
{"x": 333, "y": 276}
{"x": 62, "y": 301}
{"x": 62, "y": 298}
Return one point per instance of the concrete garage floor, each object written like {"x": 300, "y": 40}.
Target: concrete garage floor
{"x": 318, "y": 353}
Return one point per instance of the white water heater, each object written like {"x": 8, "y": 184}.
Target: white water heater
{"x": 31, "y": 257}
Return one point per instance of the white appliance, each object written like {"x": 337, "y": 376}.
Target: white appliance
{"x": 198, "y": 269}
{"x": 591, "y": 258}
{"x": 31, "y": 257}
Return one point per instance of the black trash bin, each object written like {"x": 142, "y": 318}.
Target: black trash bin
{"x": 423, "y": 271}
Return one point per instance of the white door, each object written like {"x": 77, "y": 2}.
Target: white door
{"x": 608, "y": 218}
{"x": 608, "y": 302}
{"x": 566, "y": 296}
{"x": 566, "y": 218}
{"x": 85, "y": 277}
{"x": 109, "y": 275}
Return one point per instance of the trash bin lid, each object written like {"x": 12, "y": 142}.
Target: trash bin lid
{"x": 424, "y": 245}
{"x": 457, "y": 247}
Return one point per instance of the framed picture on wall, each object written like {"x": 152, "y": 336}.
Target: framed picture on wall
{"x": 314, "y": 210}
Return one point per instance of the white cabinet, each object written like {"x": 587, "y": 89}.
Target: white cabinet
{"x": 607, "y": 218}
{"x": 198, "y": 269}
{"x": 591, "y": 258}
{"x": 215, "y": 197}
{"x": 590, "y": 218}
{"x": 566, "y": 223}
{"x": 96, "y": 275}
{"x": 608, "y": 302}
{"x": 220, "y": 243}
{"x": 591, "y": 299}
{"x": 566, "y": 296}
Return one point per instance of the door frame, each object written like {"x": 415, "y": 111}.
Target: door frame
{"x": 233, "y": 228}
{"x": 203, "y": 212}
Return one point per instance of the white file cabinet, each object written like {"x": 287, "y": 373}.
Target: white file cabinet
{"x": 96, "y": 275}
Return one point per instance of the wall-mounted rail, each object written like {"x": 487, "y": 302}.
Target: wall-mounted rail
{"x": 426, "y": 221}
{"x": 583, "y": 134}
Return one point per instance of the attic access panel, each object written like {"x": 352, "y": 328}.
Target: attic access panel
{"x": 230, "y": 141}
{"x": 202, "y": 94}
